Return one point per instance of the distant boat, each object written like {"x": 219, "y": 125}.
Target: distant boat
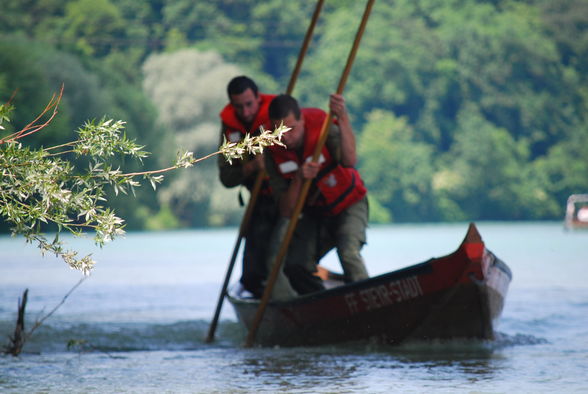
{"x": 577, "y": 211}
{"x": 456, "y": 296}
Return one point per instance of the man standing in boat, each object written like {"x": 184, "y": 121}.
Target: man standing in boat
{"x": 336, "y": 210}
{"x": 246, "y": 111}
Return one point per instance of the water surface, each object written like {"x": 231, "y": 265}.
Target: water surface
{"x": 138, "y": 323}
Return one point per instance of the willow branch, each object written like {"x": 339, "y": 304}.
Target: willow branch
{"x": 49, "y": 148}
{"x": 60, "y": 153}
{"x": 38, "y": 323}
{"x": 33, "y": 127}
{"x": 162, "y": 170}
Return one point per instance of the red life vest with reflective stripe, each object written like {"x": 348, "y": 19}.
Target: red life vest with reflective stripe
{"x": 235, "y": 130}
{"x": 339, "y": 187}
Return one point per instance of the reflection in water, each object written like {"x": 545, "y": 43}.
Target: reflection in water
{"x": 303, "y": 368}
{"x": 373, "y": 367}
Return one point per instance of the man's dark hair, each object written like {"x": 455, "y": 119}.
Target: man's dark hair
{"x": 283, "y": 105}
{"x": 240, "y": 84}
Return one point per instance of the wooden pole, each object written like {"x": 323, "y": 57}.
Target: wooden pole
{"x": 259, "y": 180}
{"x": 242, "y": 232}
{"x": 304, "y": 48}
{"x": 277, "y": 264}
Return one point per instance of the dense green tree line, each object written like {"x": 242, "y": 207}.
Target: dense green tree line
{"x": 464, "y": 110}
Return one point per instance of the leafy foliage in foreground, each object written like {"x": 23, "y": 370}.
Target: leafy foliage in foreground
{"x": 42, "y": 186}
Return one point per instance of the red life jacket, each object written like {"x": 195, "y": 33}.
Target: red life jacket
{"x": 235, "y": 130}
{"x": 339, "y": 187}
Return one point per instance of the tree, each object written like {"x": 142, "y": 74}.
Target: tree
{"x": 93, "y": 26}
{"x": 396, "y": 168}
{"x": 486, "y": 173}
{"x": 42, "y": 186}
{"x": 279, "y": 25}
{"x": 93, "y": 90}
{"x": 564, "y": 170}
{"x": 189, "y": 89}
{"x": 521, "y": 66}
{"x": 22, "y": 72}
{"x": 515, "y": 66}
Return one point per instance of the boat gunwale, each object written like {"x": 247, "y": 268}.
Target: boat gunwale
{"x": 472, "y": 237}
{"x": 397, "y": 274}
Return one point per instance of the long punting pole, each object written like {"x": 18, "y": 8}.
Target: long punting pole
{"x": 277, "y": 264}
{"x": 259, "y": 180}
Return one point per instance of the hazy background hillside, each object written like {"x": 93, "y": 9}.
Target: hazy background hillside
{"x": 464, "y": 110}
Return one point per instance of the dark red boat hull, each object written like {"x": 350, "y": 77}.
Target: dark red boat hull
{"x": 456, "y": 296}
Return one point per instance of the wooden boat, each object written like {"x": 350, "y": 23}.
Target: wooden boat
{"x": 577, "y": 212}
{"x": 456, "y": 296}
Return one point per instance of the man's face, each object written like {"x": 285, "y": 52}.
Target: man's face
{"x": 246, "y": 105}
{"x": 293, "y": 138}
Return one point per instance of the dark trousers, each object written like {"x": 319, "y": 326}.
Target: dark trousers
{"x": 257, "y": 235}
